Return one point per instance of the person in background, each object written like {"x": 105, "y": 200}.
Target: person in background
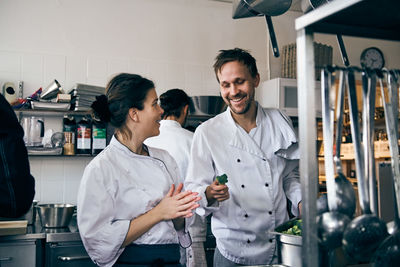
{"x": 258, "y": 151}
{"x": 17, "y": 185}
{"x": 177, "y": 141}
{"x": 131, "y": 206}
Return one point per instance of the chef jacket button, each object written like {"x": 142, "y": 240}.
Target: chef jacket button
{"x": 271, "y": 240}
{"x": 238, "y": 160}
{"x": 264, "y": 160}
{"x": 246, "y": 215}
{"x": 270, "y": 212}
{"x": 266, "y": 184}
{"x": 248, "y": 241}
{"x": 242, "y": 185}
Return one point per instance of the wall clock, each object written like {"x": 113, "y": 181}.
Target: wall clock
{"x": 372, "y": 58}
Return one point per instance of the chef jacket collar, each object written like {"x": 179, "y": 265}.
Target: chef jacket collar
{"x": 118, "y": 145}
{"x": 170, "y": 123}
{"x": 285, "y": 141}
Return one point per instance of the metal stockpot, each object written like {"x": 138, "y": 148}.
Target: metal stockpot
{"x": 288, "y": 246}
{"x": 289, "y": 249}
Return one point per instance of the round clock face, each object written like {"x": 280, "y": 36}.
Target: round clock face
{"x": 372, "y": 58}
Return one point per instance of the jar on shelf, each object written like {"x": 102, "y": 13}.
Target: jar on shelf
{"x": 83, "y": 136}
{"x": 69, "y": 127}
{"x": 99, "y": 136}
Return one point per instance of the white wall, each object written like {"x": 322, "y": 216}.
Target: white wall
{"x": 173, "y": 42}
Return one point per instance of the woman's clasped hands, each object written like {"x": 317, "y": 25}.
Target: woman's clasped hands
{"x": 178, "y": 204}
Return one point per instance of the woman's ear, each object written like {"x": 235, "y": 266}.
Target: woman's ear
{"x": 132, "y": 113}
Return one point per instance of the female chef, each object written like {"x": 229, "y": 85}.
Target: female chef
{"x": 131, "y": 208}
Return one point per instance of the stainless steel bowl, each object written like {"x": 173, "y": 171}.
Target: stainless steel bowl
{"x": 55, "y": 215}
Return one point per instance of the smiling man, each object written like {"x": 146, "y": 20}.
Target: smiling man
{"x": 258, "y": 151}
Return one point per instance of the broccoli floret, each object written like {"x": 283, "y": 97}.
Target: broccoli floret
{"x": 222, "y": 179}
{"x": 295, "y": 229}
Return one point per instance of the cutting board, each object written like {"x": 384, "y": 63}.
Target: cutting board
{"x": 13, "y": 227}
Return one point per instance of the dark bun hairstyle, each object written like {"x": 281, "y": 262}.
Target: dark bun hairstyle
{"x": 172, "y": 102}
{"x": 123, "y": 92}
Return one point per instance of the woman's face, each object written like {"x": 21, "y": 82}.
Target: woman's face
{"x": 150, "y": 115}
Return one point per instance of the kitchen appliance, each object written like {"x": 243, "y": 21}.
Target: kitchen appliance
{"x": 202, "y": 108}
{"x": 206, "y": 105}
{"x": 9, "y": 92}
{"x": 55, "y": 215}
{"x": 33, "y": 127}
{"x": 51, "y": 91}
{"x": 281, "y": 93}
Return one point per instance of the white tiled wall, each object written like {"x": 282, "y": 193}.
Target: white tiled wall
{"x": 172, "y": 42}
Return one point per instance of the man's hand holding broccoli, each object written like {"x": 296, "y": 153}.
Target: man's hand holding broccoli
{"x": 218, "y": 190}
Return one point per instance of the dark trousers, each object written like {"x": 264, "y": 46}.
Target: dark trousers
{"x": 150, "y": 256}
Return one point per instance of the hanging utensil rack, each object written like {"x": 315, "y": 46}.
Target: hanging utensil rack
{"x": 360, "y": 18}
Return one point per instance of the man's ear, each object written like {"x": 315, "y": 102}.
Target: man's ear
{"x": 186, "y": 110}
{"x": 257, "y": 80}
{"x": 132, "y": 113}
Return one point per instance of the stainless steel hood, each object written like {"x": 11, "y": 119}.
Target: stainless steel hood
{"x": 252, "y": 8}
{"x": 266, "y": 8}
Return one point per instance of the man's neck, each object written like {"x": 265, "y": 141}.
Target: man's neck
{"x": 247, "y": 120}
{"x": 180, "y": 120}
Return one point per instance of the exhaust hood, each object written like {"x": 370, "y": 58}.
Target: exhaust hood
{"x": 252, "y": 8}
{"x": 266, "y": 8}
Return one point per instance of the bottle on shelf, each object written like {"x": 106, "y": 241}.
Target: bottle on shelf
{"x": 69, "y": 127}
{"x": 99, "y": 136}
{"x": 83, "y": 137}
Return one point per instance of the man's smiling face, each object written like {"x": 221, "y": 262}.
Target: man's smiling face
{"x": 237, "y": 86}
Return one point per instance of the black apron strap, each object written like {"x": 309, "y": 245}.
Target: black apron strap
{"x": 150, "y": 255}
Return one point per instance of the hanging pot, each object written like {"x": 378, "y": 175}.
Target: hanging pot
{"x": 267, "y": 8}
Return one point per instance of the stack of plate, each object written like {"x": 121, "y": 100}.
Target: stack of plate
{"x": 83, "y": 96}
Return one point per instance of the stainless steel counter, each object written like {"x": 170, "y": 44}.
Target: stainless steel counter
{"x": 36, "y": 231}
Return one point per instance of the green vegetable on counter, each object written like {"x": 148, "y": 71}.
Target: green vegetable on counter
{"x": 222, "y": 179}
{"x": 295, "y": 229}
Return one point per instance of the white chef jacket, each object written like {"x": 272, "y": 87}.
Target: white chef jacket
{"x": 177, "y": 141}
{"x": 262, "y": 170}
{"x": 117, "y": 186}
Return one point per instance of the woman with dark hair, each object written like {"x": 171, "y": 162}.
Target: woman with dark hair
{"x": 131, "y": 208}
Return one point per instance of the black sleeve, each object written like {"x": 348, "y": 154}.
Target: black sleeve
{"x": 17, "y": 186}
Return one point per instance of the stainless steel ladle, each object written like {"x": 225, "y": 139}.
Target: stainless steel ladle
{"x": 330, "y": 224}
{"x": 365, "y": 233}
{"x": 388, "y": 253}
{"x": 369, "y": 92}
{"x": 346, "y": 196}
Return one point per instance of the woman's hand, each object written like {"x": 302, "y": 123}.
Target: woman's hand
{"x": 216, "y": 191}
{"x": 177, "y": 204}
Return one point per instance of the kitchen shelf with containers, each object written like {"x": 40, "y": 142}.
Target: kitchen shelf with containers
{"x": 80, "y": 136}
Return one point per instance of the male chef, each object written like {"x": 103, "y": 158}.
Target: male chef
{"x": 258, "y": 151}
